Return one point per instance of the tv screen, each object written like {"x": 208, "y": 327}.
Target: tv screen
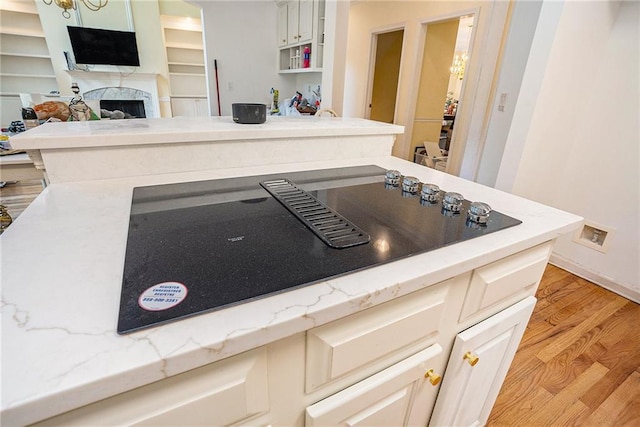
{"x": 104, "y": 47}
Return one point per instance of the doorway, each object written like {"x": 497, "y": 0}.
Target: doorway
{"x": 440, "y": 87}
{"x": 384, "y": 90}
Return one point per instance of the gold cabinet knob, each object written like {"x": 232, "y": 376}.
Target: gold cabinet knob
{"x": 434, "y": 378}
{"x": 471, "y": 358}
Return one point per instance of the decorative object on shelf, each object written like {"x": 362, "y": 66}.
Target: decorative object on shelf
{"x": 306, "y": 62}
{"x": 66, "y": 5}
{"x": 80, "y": 111}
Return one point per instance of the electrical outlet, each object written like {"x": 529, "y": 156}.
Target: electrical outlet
{"x": 594, "y": 236}
{"x": 230, "y": 85}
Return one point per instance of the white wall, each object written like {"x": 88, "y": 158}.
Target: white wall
{"x": 522, "y": 27}
{"x": 241, "y": 36}
{"x": 580, "y": 149}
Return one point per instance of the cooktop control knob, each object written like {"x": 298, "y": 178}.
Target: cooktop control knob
{"x": 452, "y": 202}
{"x": 410, "y": 184}
{"x": 392, "y": 177}
{"x": 479, "y": 212}
{"x": 429, "y": 193}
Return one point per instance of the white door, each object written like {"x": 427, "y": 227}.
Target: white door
{"x": 400, "y": 395}
{"x": 478, "y": 364}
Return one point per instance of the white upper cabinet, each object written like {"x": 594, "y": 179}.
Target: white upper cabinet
{"x": 282, "y": 25}
{"x": 300, "y": 27}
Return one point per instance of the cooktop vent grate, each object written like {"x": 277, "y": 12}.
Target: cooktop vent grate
{"x": 331, "y": 227}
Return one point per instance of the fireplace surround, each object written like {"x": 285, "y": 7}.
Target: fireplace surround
{"x": 96, "y": 86}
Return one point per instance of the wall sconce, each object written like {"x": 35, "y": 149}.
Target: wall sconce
{"x": 66, "y": 5}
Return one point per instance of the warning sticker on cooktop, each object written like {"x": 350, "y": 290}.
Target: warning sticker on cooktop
{"x": 162, "y": 296}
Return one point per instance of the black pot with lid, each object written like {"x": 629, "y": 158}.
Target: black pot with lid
{"x": 249, "y": 113}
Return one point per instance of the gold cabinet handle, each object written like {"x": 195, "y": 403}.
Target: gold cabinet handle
{"x": 434, "y": 378}
{"x": 471, "y": 358}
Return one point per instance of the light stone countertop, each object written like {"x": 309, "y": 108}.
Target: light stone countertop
{"x": 62, "y": 262}
{"x": 109, "y": 133}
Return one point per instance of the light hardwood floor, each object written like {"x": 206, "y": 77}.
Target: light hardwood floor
{"x": 16, "y": 196}
{"x": 578, "y": 363}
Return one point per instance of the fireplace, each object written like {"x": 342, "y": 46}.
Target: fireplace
{"x": 97, "y": 87}
{"x": 123, "y": 99}
{"x": 133, "y": 109}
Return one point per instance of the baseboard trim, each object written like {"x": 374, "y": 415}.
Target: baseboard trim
{"x": 596, "y": 278}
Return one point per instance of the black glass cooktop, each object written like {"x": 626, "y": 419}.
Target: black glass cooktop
{"x": 202, "y": 246}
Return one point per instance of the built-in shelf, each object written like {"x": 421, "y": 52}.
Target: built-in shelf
{"x": 183, "y": 46}
{"x": 310, "y": 23}
{"x": 301, "y": 70}
{"x": 25, "y": 55}
{"x": 187, "y": 70}
{"x": 30, "y": 76}
{"x": 25, "y": 61}
{"x": 186, "y": 64}
{"x": 188, "y": 74}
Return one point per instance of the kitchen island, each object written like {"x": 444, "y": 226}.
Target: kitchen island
{"x": 278, "y": 360}
{"x": 99, "y": 149}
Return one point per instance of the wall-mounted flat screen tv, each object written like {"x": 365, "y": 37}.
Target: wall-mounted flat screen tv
{"x": 104, "y": 47}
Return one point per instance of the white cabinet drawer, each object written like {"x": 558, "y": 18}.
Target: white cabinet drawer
{"x": 399, "y": 395}
{"x": 221, "y": 393}
{"x": 344, "y": 346}
{"x": 502, "y": 283}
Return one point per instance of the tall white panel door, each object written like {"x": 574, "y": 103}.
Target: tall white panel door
{"x": 401, "y": 395}
{"x": 478, "y": 364}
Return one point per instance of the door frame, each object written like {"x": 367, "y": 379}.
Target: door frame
{"x": 472, "y": 115}
{"x": 418, "y": 71}
{"x": 372, "y": 65}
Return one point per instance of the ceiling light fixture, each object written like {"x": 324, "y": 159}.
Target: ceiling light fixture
{"x": 458, "y": 66}
{"x": 66, "y": 5}
{"x": 460, "y": 61}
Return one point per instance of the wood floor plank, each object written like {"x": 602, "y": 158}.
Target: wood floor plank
{"x": 567, "y": 396}
{"x": 17, "y": 196}
{"x": 590, "y": 355}
{"x": 516, "y": 411}
{"x": 567, "y": 339}
{"x": 621, "y": 360}
{"x": 575, "y": 415}
{"x": 622, "y": 407}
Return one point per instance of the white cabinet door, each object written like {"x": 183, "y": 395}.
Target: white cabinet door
{"x": 478, "y": 364}
{"x": 400, "y": 395}
{"x": 305, "y": 21}
{"x": 292, "y": 22}
{"x": 282, "y": 24}
{"x": 189, "y": 107}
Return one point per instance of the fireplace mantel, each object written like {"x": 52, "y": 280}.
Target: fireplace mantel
{"x": 110, "y": 75}
{"x": 89, "y": 81}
